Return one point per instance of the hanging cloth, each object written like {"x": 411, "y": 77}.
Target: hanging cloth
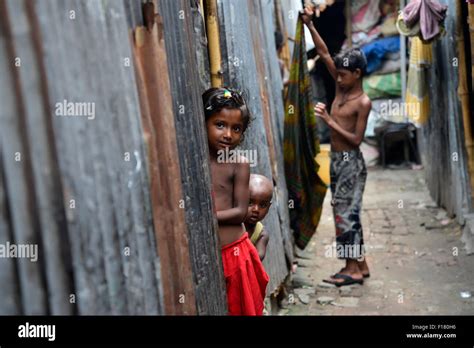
{"x": 417, "y": 94}
{"x": 306, "y": 190}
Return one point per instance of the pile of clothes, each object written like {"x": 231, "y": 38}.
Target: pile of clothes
{"x": 374, "y": 31}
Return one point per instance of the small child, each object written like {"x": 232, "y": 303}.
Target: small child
{"x": 261, "y": 193}
{"x": 347, "y": 123}
{"x": 227, "y": 118}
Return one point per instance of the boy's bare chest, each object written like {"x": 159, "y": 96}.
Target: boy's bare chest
{"x": 345, "y": 113}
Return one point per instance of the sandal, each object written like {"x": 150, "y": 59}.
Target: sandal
{"x": 348, "y": 280}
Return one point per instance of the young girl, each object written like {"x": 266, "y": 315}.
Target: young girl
{"x": 227, "y": 118}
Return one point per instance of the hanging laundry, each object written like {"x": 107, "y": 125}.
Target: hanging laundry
{"x": 417, "y": 94}
{"x": 429, "y": 15}
{"x": 300, "y": 146}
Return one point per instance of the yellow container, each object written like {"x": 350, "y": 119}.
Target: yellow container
{"x": 324, "y": 161}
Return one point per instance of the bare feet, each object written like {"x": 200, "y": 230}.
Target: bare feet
{"x": 364, "y": 268}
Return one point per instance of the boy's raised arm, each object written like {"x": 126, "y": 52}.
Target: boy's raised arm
{"x": 319, "y": 43}
{"x": 236, "y": 215}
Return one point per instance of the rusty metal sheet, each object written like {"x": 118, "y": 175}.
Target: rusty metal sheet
{"x": 183, "y": 46}
{"x": 165, "y": 178}
{"x": 272, "y": 83}
{"x": 240, "y": 72}
{"x": 104, "y": 184}
{"x": 443, "y": 135}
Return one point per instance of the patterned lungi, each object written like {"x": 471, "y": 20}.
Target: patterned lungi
{"x": 348, "y": 176}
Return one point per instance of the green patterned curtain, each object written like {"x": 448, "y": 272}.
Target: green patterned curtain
{"x": 301, "y": 145}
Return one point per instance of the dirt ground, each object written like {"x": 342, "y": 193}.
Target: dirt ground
{"x": 418, "y": 263}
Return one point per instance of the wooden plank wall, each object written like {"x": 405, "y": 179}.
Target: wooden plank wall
{"x": 244, "y": 70}
{"x": 443, "y": 135}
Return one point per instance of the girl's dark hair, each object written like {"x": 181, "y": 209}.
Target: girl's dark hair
{"x": 216, "y": 99}
{"x": 352, "y": 60}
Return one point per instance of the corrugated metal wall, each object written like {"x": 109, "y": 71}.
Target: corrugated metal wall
{"x": 119, "y": 202}
{"x": 74, "y": 182}
{"x": 443, "y": 146}
{"x": 83, "y": 189}
{"x": 247, "y": 54}
{"x": 183, "y": 35}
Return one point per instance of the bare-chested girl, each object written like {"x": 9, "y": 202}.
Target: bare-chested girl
{"x": 227, "y": 118}
{"x": 347, "y": 122}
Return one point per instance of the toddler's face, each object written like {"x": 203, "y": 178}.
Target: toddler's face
{"x": 260, "y": 201}
{"x": 224, "y": 129}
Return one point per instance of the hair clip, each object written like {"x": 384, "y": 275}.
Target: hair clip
{"x": 227, "y": 94}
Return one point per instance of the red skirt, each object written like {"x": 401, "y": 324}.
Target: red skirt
{"x": 246, "y": 279}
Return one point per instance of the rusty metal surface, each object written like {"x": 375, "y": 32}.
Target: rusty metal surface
{"x": 187, "y": 87}
{"x": 273, "y": 84}
{"x": 33, "y": 195}
{"x": 240, "y": 72}
{"x": 165, "y": 178}
{"x": 102, "y": 197}
{"x": 443, "y": 135}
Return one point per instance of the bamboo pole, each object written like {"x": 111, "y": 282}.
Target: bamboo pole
{"x": 471, "y": 31}
{"x": 463, "y": 93}
{"x": 212, "y": 29}
{"x": 403, "y": 62}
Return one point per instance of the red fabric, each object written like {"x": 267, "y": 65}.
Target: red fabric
{"x": 246, "y": 279}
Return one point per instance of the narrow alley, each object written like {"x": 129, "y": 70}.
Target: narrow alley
{"x": 417, "y": 260}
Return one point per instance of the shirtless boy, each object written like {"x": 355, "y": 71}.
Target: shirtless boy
{"x": 347, "y": 123}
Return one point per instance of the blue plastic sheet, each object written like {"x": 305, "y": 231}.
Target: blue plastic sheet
{"x": 378, "y": 49}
